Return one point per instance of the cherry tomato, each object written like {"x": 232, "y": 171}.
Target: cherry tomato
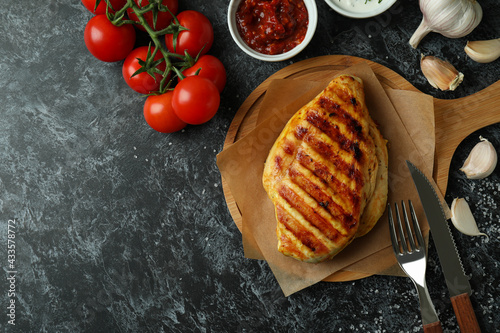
{"x": 159, "y": 114}
{"x": 101, "y": 8}
{"x": 163, "y": 19}
{"x": 198, "y": 37}
{"x": 195, "y": 100}
{"x": 210, "y": 68}
{"x": 108, "y": 42}
{"x": 142, "y": 83}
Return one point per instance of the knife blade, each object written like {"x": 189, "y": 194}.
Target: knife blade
{"x": 456, "y": 280}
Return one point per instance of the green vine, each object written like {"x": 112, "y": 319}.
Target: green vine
{"x": 174, "y": 63}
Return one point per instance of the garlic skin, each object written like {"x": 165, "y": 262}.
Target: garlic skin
{"x": 462, "y": 218}
{"x": 450, "y": 18}
{"x": 483, "y": 51}
{"x": 440, "y": 74}
{"x": 481, "y": 161}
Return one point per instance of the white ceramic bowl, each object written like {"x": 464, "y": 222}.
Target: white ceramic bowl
{"x": 376, "y": 9}
{"x": 311, "y": 28}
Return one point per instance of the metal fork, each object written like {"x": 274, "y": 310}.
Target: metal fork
{"x": 410, "y": 254}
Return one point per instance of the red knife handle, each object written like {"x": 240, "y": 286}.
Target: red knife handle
{"x": 465, "y": 314}
{"x": 433, "y": 328}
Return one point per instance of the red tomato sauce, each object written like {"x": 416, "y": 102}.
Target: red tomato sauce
{"x": 272, "y": 26}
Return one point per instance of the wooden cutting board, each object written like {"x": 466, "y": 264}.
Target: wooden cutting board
{"x": 455, "y": 119}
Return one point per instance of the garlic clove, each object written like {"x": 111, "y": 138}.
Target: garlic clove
{"x": 440, "y": 74}
{"x": 462, "y": 218}
{"x": 483, "y": 51}
{"x": 481, "y": 161}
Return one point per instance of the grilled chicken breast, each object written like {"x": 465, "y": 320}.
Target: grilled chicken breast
{"x": 327, "y": 173}
{"x": 376, "y": 204}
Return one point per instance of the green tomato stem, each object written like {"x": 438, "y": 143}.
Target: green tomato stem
{"x": 118, "y": 19}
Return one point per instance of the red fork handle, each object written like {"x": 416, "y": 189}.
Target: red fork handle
{"x": 465, "y": 314}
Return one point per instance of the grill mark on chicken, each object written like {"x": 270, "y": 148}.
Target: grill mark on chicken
{"x": 334, "y": 133}
{"x": 278, "y": 162}
{"x": 305, "y": 236}
{"x": 287, "y": 245}
{"x": 324, "y": 200}
{"x": 311, "y": 215}
{"x": 325, "y": 150}
{"x": 341, "y": 189}
{"x": 300, "y": 132}
{"x": 333, "y": 109}
{"x": 289, "y": 149}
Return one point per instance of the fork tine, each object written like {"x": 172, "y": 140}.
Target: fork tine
{"x": 392, "y": 229}
{"x": 400, "y": 229}
{"x": 408, "y": 228}
{"x": 416, "y": 226}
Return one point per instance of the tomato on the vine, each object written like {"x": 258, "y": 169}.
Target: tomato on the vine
{"x": 159, "y": 114}
{"x": 143, "y": 82}
{"x": 198, "y": 37}
{"x": 210, "y": 68}
{"x": 163, "y": 19}
{"x": 106, "y": 41}
{"x": 195, "y": 100}
{"x": 101, "y": 8}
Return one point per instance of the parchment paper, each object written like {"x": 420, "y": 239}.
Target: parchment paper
{"x": 405, "y": 119}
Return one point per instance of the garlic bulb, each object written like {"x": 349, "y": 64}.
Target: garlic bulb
{"x": 481, "y": 161}
{"x": 483, "y": 51}
{"x": 440, "y": 74}
{"x": 450, "y": 18}
{"x": 462, "y": 218}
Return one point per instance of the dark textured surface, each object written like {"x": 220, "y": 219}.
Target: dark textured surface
{"x": 122, "y": 229}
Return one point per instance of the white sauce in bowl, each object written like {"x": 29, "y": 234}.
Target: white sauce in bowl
{"x": 359, "y": 6}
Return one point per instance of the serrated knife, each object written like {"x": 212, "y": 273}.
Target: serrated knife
{"x": 456, "y": 280}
